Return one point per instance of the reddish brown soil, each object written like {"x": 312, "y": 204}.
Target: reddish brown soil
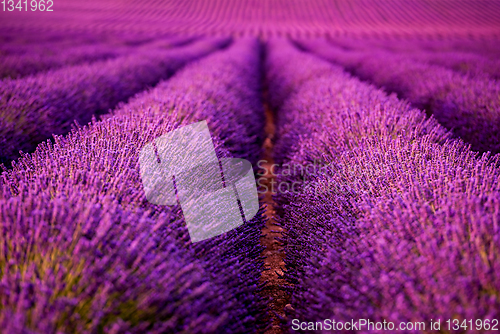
{"x": 274, "y": 264}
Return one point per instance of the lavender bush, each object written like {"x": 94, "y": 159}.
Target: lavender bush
{"x": 401, "y": 225}
{"x": 471, "y": 64}
{"x": 34, "y": 108}
{"x": 468, "y": 106}
{"x": 50, "y": 43}
{"x": 487, "y": 48}
{"x": 57, "y": 56}
{"x": 467, "y": 62}
{"x": 16, "y": 66}
{"x": 196, "y": 95}
{"x": 95, "y": 255}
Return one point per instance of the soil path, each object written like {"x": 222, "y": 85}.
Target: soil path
{"x": 273, "y": 252}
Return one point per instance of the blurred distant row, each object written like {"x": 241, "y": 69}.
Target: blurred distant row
{"x": 267, "y": 18}
{"x": 24, "y": 54}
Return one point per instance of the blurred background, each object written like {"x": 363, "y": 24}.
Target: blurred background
{"x": 297, "y": 18}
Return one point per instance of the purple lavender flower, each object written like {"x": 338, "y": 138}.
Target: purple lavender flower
{"x": 82, "y": 250}
{"x": 401, "y": 225}
{"x": 468, "y": 106}
{"x": 34, "y": 108}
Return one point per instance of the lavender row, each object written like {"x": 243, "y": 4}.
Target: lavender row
{"x": 34, "y": 108}
{"x": 305, "y": 113}
{"x": 468, "y": 106}
{"x": 16, "y": 66}
{"x": 21, "y": 43}
{"x": 243, "y": 133}
{"x": 400, "y": 223}
{"x": 462, "y": 62}
{"x": 469, "y": 63}
{"x": 224, "y": 90}
{"x": 486, "y": 48}
{"x": 96, "y": 256}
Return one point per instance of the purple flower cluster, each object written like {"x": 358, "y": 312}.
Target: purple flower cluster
{"x": 47, "y": 46}
{"x": 403, "y": 224}
{"x": 475, "y": 62}
{"x": 81, "y": 248}
{"x": 15, "y": 66}
{"x": 469, "y": 106}
{"x": 34, "y": 108}
{"x": 246, "y": 138}
{"x": 467, "y": 63}
{"x": 487, "y": 48}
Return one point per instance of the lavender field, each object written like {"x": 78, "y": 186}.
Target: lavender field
{"x": 372, "y": 129}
